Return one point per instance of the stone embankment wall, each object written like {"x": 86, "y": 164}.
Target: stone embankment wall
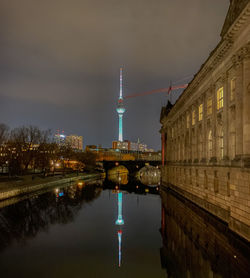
{"x": 29, "y": 188}
{"x": 200, "y": 244}
{"x": 222, "y": 191}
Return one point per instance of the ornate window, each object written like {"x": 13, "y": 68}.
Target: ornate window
{"x": 200, "y": 112}
{"x": 232, "y": 89}
{"x": 209, "y": 106}
{"x": 220, "y": 98}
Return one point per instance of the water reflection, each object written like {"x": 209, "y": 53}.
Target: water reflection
{"x": 88, "y": 244}
{"x": 118, "y": 174}
{"x": 196, "y": 244}
{"x": 115, "y": 182}
{"x": 119, "y": 222}
{"x": 149, "y": 175}
{"x": 25, "y": 219}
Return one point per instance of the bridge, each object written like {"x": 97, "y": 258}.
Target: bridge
{"x": 131, "y": 165}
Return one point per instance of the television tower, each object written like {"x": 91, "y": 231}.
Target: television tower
{"x": 120, "y": 109}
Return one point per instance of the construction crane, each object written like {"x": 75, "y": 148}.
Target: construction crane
{"x": 163, "y": 90}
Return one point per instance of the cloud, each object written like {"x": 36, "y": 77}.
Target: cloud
{"x": 68, "y": 53}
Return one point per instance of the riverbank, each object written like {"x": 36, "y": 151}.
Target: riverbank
{"x": 28, "y": 185}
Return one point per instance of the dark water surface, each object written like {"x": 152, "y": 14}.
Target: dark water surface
{"x": 74, "y": 235}
{"x": 72, "y": 232}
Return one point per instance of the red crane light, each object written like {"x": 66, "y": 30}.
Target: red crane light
{"x": 163, "y": 90}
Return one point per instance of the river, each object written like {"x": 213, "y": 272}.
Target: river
{"x": 74, "y": 232}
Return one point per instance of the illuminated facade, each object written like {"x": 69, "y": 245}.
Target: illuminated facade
{"x": 131, "y": 146}
{"x": 120, "y": 110}
{"x": 75, "y": 142}
{"x": 206, "y": 134}
{"x": 59, "y": 139}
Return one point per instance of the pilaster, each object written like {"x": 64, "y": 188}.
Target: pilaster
{"x": 238, "y": 65}
{"x": 226, "y": 96}
{"x": 246, "y": 100}
{"x": 214, "y": 119}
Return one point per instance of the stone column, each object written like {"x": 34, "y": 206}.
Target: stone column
{"x": 163, "y": 146}
{"x": 214, "y": 119}
{"x": 238, "y": 106}
{"x": 190, "y": 136}
{"x": 204, "y": 126}
{"x": 196, "y": 105}
{"x": 226, "y": 97}
{"x": 246, "y": 101}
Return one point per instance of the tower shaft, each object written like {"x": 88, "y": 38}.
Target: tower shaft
{"x": 120, "y": 128}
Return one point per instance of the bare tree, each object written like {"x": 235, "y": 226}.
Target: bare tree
{"x": 26, "y": 143}
{"x": 4, "y": 129}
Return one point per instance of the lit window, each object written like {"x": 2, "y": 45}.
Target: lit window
{"x": 209, "y": 106}
{"x": 220, "y": 98}
{"x": 200, "y": 112}
{"x": 232, "y": 91}
{"x": 188, "y": 121}
{"x": 193, "y": 118}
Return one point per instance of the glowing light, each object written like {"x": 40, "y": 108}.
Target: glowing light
{"x": 147, "y": 190}
{"x": 61, "y": 194}
{"x": 120, "y": 128}
{"x": 119, "y": 220}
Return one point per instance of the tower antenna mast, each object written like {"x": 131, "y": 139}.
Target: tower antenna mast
{"x": 120, "y": 109}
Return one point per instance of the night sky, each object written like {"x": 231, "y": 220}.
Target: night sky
{"x": 60, "y": 60}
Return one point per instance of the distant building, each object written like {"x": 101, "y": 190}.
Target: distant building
{"x": 130, "y": 146}
{"x": 75, "y": 142}
{"x": 60, "y": 139}
{"x": 125, "y": 145}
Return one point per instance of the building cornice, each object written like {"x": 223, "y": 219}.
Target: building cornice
{"x": 216, "y": 56}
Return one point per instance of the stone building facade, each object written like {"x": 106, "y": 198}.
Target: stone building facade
{"x": 206, "y": 134}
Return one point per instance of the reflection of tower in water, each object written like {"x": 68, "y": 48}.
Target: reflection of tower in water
{"x": 119, "y": 221}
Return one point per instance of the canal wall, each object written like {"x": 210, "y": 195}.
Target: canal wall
{"x": 29, "y": 188}
{"x": 199, "y": 243}
{"x": 222, "y": 191}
